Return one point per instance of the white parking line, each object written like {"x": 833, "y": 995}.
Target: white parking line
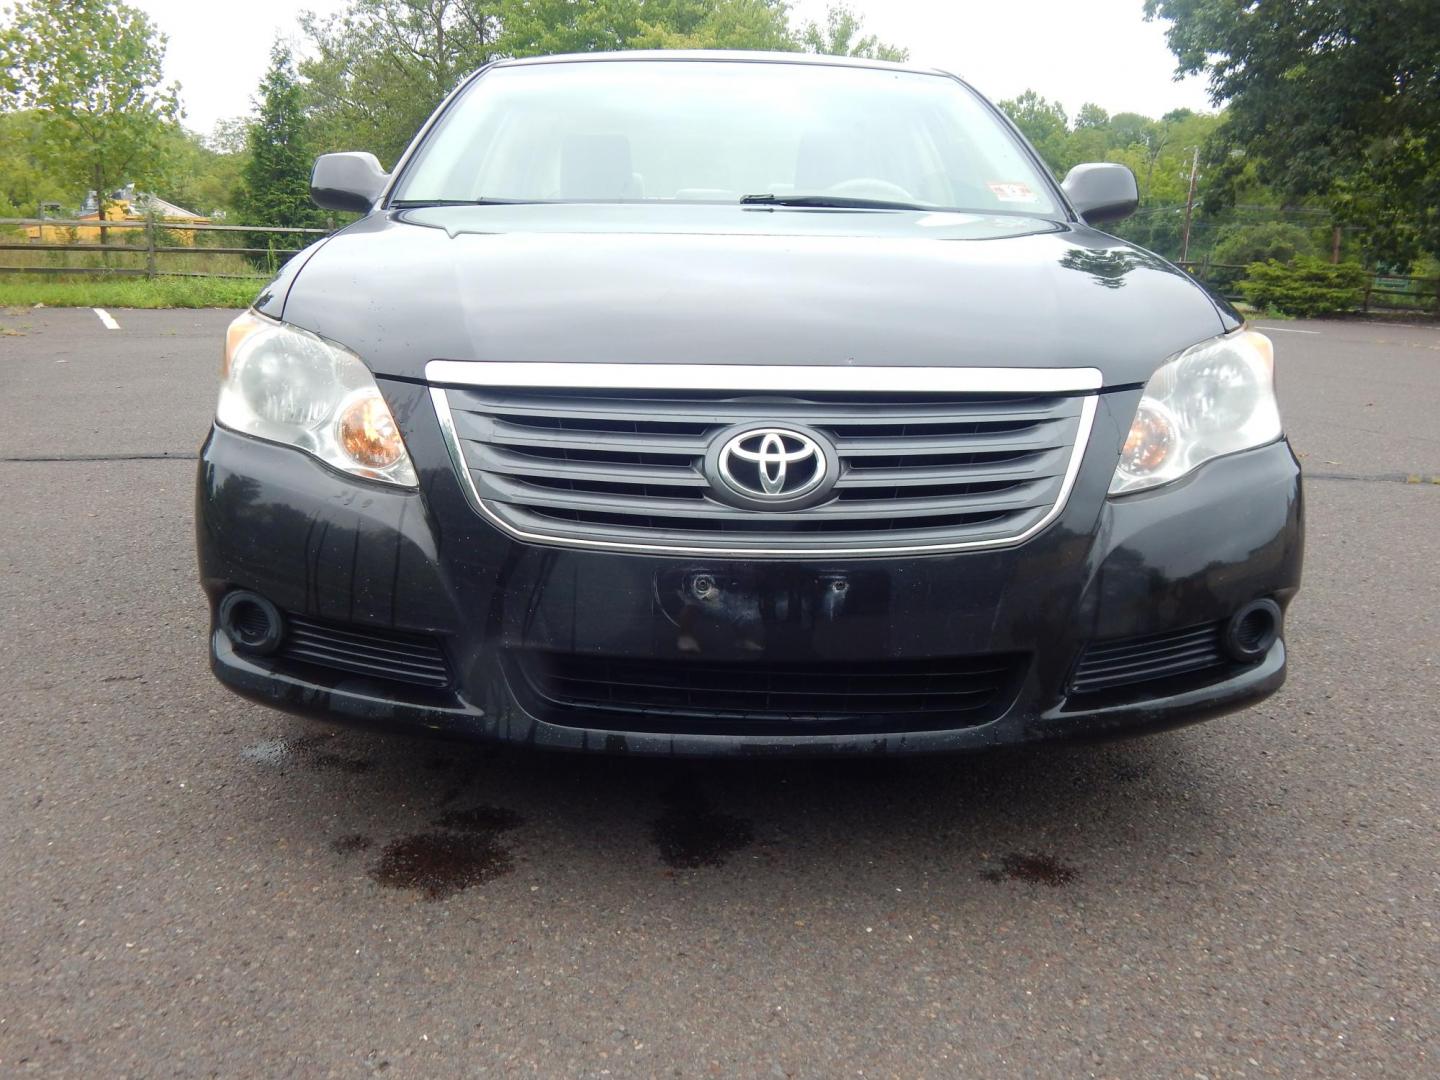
{"x": 1288, "y": 330}
{"x": 106, "y": 319}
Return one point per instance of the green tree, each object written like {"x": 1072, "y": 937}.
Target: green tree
{"x": 542, "y": 27}
{"x": 199, "y": 176}
{"x": 1160, "y": 153}
{"x": 92, "y": 71}
{"x": 1335, "y": 101}
{"x": 275, "y": 182}
{"x": 545, "y": 27}
{"x": 1128, "y": 129}
{"x": 841, "y": 36}
{"x": 714, "y": 24}
{"x": 26, "y": 181}
{"x": 1092, "y": 138}
{"x": 378, "y": 69}
{"x": 1045, "y": 124}
{"x": 229, "y": 135}
{"x": 1241, "y": 244}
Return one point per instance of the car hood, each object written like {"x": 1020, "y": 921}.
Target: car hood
{"x": 725, "y": 284}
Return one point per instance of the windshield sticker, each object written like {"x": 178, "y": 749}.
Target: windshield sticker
{"x": 1011, "y": 192}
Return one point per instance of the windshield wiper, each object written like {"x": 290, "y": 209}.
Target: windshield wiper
{"x": 839, "y": 202}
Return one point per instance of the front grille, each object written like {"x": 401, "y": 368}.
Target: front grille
{"x": 1106, "y": 665}
{"x": 747, "y": 697}
{"x": 381, "y": 654}
{"x": 623, "y": 468}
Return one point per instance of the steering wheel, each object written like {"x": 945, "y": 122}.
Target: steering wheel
{"x": 870, "y": 187}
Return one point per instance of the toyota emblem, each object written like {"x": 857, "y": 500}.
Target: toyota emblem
{"x": 772, "y": 465}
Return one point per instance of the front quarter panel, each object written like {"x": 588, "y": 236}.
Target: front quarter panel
{"x": 273, "y": 296}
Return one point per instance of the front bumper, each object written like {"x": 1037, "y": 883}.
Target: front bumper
{"x": 327, "y": 547}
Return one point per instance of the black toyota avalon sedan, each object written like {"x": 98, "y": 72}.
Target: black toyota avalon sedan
{"x": 688, "y": 403}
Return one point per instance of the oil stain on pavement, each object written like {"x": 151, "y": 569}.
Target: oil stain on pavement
{"x": 1034, "y": 868}
{"x": 690, "y": 834}
{"x": 440, "y": 864}
{"x": 461, "y": 849}
{"x": 464, "y": 850}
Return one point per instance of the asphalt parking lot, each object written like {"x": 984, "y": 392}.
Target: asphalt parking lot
{"x": 195, "y": 886}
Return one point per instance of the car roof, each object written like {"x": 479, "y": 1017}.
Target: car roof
{"x": 736, "y": 56}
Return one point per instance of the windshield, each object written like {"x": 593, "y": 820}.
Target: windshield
{"x": 719, "y": 131}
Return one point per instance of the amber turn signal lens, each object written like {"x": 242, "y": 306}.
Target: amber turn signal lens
{"x": 241, "y": 328}
{"x": 367, "y": 432}
{"x": 1149, "y": 442}
{"x": 1264, "y": 348}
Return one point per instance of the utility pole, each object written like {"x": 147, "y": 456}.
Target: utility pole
{"x": 1190, "y": 206}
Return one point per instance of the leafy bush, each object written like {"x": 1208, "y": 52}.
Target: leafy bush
{"x": 1305, "y": 287}
{"x": 1242, "y": 244}
{"x": 1427, "y": 267}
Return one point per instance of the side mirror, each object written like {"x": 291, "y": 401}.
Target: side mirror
{"x": 1102, "y": 191}
{"x": 349, "y": 182}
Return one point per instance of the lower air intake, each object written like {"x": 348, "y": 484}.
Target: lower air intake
{"x": 1107, "y": 665}
{"x": 745, "y": 697}
{"x": 416, "y": 659}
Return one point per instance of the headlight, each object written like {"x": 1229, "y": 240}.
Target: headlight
{"x": 1213, "y": 399}
{"x": 290, "y": 386}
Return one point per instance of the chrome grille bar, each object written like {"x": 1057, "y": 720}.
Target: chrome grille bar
{"x": 764, "y": 377}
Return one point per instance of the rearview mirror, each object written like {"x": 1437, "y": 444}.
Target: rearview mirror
{"x": 1102, "y": 191}
{"x": 351, "y": 181}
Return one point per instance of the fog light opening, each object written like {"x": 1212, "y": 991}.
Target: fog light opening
{"x": 1252, "y": 630}
{"x": 252, "y": 623}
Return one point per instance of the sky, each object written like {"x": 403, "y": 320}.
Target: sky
{"x": 1073, "y": 51}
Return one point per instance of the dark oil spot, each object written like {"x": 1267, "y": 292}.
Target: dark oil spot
{"x": 354, "y": 842}
{"x": 1034, "y": 868}
{"x": 690, "y": 834}
{"x": 480, "y": 819}
{"x": 441, "y": 864}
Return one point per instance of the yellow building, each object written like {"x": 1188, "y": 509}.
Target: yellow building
{"x": 125, "y": 205}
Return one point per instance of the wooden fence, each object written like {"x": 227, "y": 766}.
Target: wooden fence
{"x": 152, "y": 248}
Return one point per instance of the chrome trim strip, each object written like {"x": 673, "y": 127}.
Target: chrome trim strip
{"x": 764, "y": 377}
{"x": 467, "y": 484}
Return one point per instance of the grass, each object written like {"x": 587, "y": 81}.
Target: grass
{"x": 127, "y": 292}
{"x": 99, "y": 290}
